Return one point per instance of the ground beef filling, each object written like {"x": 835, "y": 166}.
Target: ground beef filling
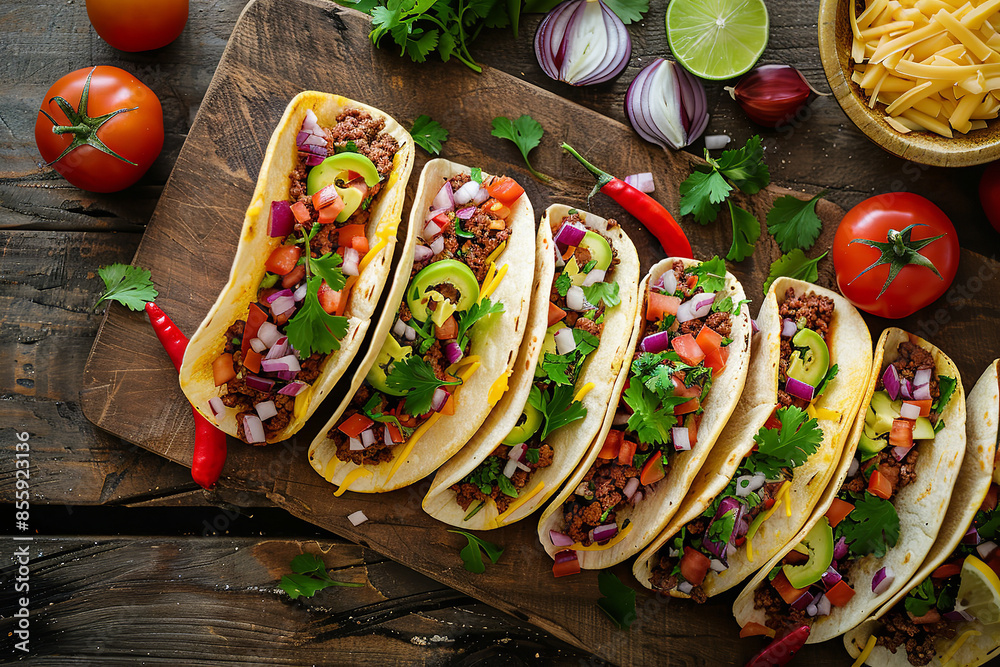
{"x": 809, "y": 311}
{"x": 600, "y": 493}
{"x": 918, "y": 640}
{"x": 780, "y": 617}
{"x": 467, "y": 494}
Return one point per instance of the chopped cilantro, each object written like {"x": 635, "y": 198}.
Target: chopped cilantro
{"x": 711, "y": 274}
{"x": 793, "y": 222}
{"x": 428, "y": 134}
{"x": 479, "y": 310}
{"x": 703, "y": 193}
{"x": 651, "y": 418}
{"x": 476, "y": 174}
{"x": 872, "y": 527}
{"x": 557, "y": 405}
{"x": 416, "y": 379}
{"x": 946, "y": 387}
{"x": 618, "y": 600}
{"x": 471, "y": 554}
{"x": 588, "y": 267}
{"x": 721, "y": 529}
{"x": 526, "y": 133}
{"x": 532, "y": 454}
{"x": 744, "y": 167}
{"x": 563, "y": 283}
{"x": 606, "y": 292}
{"x": 830, "y": 374}
{"x": 920, "y": 599}
{"x": 309, "y": 577}
{"x": 327, "y": 267}
{"x": 128, "y": 285}
{"x": 789, "y": 446}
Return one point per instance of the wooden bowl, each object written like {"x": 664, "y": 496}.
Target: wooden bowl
{"x": 835, "y": 38}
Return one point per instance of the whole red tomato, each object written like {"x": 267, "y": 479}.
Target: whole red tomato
{"x": 908, "y": 271}
{"x": 132, "y": 25}
{"x": 106, "y": 140}
{"x": 989, "y": 194}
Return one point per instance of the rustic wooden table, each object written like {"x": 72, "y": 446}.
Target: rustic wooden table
{"x": 131, "y": 560}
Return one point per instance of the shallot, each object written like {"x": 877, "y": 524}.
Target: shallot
{"x": 772, "y": 95}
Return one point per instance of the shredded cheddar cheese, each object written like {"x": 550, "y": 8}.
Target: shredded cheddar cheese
{"x": 958, "y": 644}
{"x": 352, "y": 477}
{"x": 301, "y": 404}
{"x": 933, "y": 64}
{"x": 584, "y": 390}
{"x": 492, "y": 285}
{"x": 596, "y": 547}
{"x": 869, "y": 646}
{"x": 498, "y": 389}
{"x": 517, "y": 503}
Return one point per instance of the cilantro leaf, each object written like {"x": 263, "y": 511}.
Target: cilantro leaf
{"x": 476, "y": 174}
{"x": 946, "y": 387}
{"x": 618, "y": 600}
{"x": 428, "y": 134}
{"x": 793, "y": 222}
{"x": 471, "y": 556}
{"x": 526, "y": 133}
{"x": 745, "y": 167}
{"x": 629, "y": 11}
{"x": 702, "y": 193}
{"x": 479, "y": 310}
{"x": 557, "y": 405}
{"x": 415, "y": 378}
{"x": 607, "y": 292}
{"x": 830, "y": 374}
{"x": 327, "y": 267}
{"x": 920, "y": 599}
{"x": 721, "y": 529}
{"x": 309, "y": 577}
{"x": 794, "y": 265}
{"x": 420, "y": 43}
{"x": 128, "y": 285}
{"x": 651, "y": 420}
{"x": 312, "y": 329}
{"x": 872, "y": 527}
{"x": 726, "y": 305}
{"x": 563, "y": 283}
{"x": 711, "y": 274}
{"x": 798, "y": 438}
{"x": 746, "y": 231}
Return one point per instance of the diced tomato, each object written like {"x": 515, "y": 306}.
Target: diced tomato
{"x": 327, "y": 196}
{"x": 394, "y": 433}
{"x": 256, "y": 317}
{"x": 441, "y": 220}
{"x": 840, "y": 594}
{"x": 901, "y": 434}
{"x": 688, "y": 350}
{"x": 880, "y": 486}
{"x": 612, "y": 444}
{"x": 283, "y": 259}
{"x": 716, "y": 360}
{"x": 687, "y": 407}
{"x": 990, "y": 501}
{"x": 947, "y": 570}
{"x": 448, "y": 331}
{"x": 773, "y": 422}
{"x": 626, "y": 452}
{"x": 360, "y": 243}
{"x": 709, "y": 340}
{"x": 252, "y": 361}
{"x": 222, "y": 369}
{"x": 556, "y": 314}
{"x": 753, "y": 629}
{"x": 332, "y": 302}
{"x": 346, "y": 233}
{"x": 355, "y": 424}
{"x": 328, "y": 215}
{"x": 838, "y": 510}
{"x": 652, "y": 471}
{"x": 692, "y": 421}
{"x": 496, "y": 209}
{"x": 660, "y": 305}
{"x": 680, "y": 389}
{"x": 694, "y": 566}
{"x": 294, "y": 277}
{"x": 506, "y": 190}
{"x": 925, "y": 405}
{"x": 283, "y": 317}
{"x": 301, "y": 212}
{"x": 407, "y": 420}
{"x": 566, "y": 567}
{"x": 787, "y": 592}
{"x": 691, "y": 282}
{"x": 449, "y": 405}
{"x": 769, "y": 503}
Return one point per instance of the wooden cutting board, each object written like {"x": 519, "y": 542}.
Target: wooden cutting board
{"x": 280, "y": 47}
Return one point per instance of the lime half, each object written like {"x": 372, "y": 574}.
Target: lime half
{"x": 717, "y": 39}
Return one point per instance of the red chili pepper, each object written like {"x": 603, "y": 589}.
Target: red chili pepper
{"x": 209, "y": 442}
{"x": 646, "y": 210}
{"x": 781, "y": 650}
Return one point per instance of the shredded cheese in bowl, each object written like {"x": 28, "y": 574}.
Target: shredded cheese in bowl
{"x": 934, "y": 64}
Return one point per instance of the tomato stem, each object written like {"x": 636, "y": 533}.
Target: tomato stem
{"x": 898, "y": 251}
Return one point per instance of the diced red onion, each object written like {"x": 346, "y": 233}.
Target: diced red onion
{"x": 985, "y": 549}
{"x": 717, "y": 565}
{"x": 685, "y": 587}
{"x": 909, "y": 411}
{"x": 216, "y": 405}
{"x": 268, "y": 333}
{"x": 788, "y": 328}
{"x": 642, "y": 182}
{"x": 921, "y": 377}
{"x": 823, "y": 605}
{"x": 282, "y": 221}
{"x": 658, "y": 342}
{"x": 466, "y": 213}
{"x": 422, "y": 253}
{"x": 631, "y": 486}
{"x": 702, "y": 304}
{"x": 753, "y": 326}
{"x": 352, "y": 261}
{"x": 883, "y": 580}
{"x": 669, "y": 282}
{"x": 445, "y": 198}
{"x": 971, "y": 536}
{"x": 575, "y": 298}
{"x": 517, "y": 452}
{"x": 387, "y": 436}
{"x": 901, "y": 452}
{"x": 565, "y": 342}
{"x": 603, "y": 533}
{"x": 253, "y": 429}
{"x": 288, "y": 362}
{"x": 293, "y": 388}
{"x": 356, "y": 445}
{"x": 922, "y": 393}
{"x": 800, "y": 389}
{"x": 439, "y": 399}
{"x": 279, "y": 349}
{"x": 666, "y": 105}
{"x": 714, "y": 142}
{"x": 811, "y": 608}
{"x": 510, "y": 468}
{"x": 636, "y": 499}
{"x": 410, "y": 333}
{"x": 257, "y": 345}
{"x": 905, "y": 388}
{"x": 452, "y": 352}
{"x": 311, "y": 140}
{"x": 830, "y": 578}
{"x": 357, "y": 518}
{"x": 399, "y": 328}
{"x": 368, "y": 437}
{"x": 853, "y": 468}
{"x": 560, "y": 262}
{"x": 430, "y": 231}
{"x": 595, "y": 276}
{"x": 560, "y": 539}
{"x": 840, "y": 549}
{"x": 465, "y": 193}
{"x": 287, "y": 376}
{"x": 481, "y": 196}
{"x": 565, "y": 555}
{"x": 283, "y": 304}
{"x": 260, "y": 384}
{"x": 959, "y": 615}
{"x": 890, "y": 379}
{"x": 300, "y": 292}
{"x": 266, "y": 410}
{"x": 681, "y": 437}
{"x": 437, "y": 246}
{"x": 685, "y": 312}
{"x": 747, "y": 484}
{"x": 582, "y": 43}
{"x": 271, "y": 298}
{"x": 570, "y": 234}
{"x": 803, "y": 601}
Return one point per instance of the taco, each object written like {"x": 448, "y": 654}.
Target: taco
{"x": 580, "y": 323}
{"x": 929, "y": 618}
{"x": 684, "y": 380}
{"x": 881, "y": 513}
{"x": 442, "y": 359}
{"x": 283, "y": 329}
{"x": 772, "y": 463}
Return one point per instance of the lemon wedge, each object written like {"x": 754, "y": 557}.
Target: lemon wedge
{"x": 979, "y": 592}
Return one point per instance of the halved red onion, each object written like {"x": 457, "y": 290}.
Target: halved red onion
{"x": 890, "y": 379}
{"x": 300, "y": 292}
{"x": 445, "y": 198}
{"x": 266, "y": 410}
{"x": 631, "y": 486}
{"x": 985, "y": 549}
{"x": 452, "y": 352}
{"x": 569, "y": 234}
{"x": 576, "y": 299}
{"x": 909, "y": 411}
{"x": 278, "y": 349}
{"x": 565, "y": 342}
{"x": 268, "y": 333}
{"x": 288, "y": 362}
{"x": 277, "y": 295}
{"x": 595, "y": 276}
{"x": 560, "y": 539}
{"x": 352, "y": 261}
{"x": 772, "y": 95}
{"x": 283, "y": 304}
{"x": 681, "y": 437}
{"x": 216, "y": 405}
{"x": 658, "y": 342}
{"x": 357, "y": 518}
{"x": 355, "y": 445}
{"x": 883, "y": 580}
{"x": 605, "y": 532}
{"x": 422, "y": 253}
{"x": 439, "y": 399}
{"x": 282, "y": 221}
{"x": 582, "y": 43}
{"x": 437, "y": 246}
{"x": 666, "y": 105}
{"x": 971, "y": 536}
{"x": 465, "y": 193}
{"x": 800, "y": 389}
{"x": 788, "y": 328}
{"x": 293, "y": 388}
{"x": 253, "y": 428}
{"x": 830, "y": 578}
{"x": 260, "y": 384}
{"x": 257, "y": 345}
{"x": 466, "y": 213}
{"x": 803, "y": 601}
{"x": 642, "y": 182}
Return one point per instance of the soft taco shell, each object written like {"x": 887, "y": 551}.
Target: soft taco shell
{"x": 850, "y": 347}
{"x": 495, "y": 341}
{"x": 921, "y": 505}
{"x": 983, "y": 406}
{"x": 255, "y": 245}
{"x": 650, "y": 516}
{"x": 569, "y": 443}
